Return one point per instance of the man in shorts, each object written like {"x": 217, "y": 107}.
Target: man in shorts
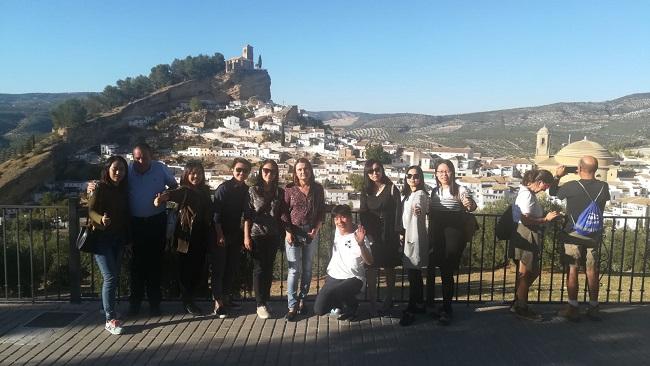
{"x": 577, "y": 199}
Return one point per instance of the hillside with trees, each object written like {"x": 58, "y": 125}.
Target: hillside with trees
{"x": 617, "y": 124}
{"x": 28, "y": 118}
{"x": 163, "y": 75}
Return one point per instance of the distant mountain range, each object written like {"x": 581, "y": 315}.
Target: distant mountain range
{"x": 618, "y": 123}
{"x": 26, "y": 114}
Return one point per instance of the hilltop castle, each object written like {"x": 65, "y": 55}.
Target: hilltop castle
{"x": 243, "y": 62}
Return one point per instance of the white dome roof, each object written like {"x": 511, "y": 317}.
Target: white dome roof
{"x": 571, "y": 154}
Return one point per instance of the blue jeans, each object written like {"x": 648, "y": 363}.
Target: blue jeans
{"x": 109, "y": 258}
{"x": 300, "y": 266}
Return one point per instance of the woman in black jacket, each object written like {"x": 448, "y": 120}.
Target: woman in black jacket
{"x": 195, "y": 229}
{"x": 263, "y": 230}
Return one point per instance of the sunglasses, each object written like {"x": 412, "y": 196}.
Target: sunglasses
{"x": 376, "y": 170}
{"x": 413, "y": 176}
{"x": 268, "y": 171}
{"x": 241, "y": 170}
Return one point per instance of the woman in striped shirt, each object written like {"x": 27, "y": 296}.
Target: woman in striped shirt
{"x": 449, "y": 201}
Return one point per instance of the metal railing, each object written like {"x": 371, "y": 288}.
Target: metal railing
{"x": 40, "y": 262}
{"x": 35, "y": 252}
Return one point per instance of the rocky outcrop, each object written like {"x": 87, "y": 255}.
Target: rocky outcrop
{"x": 20, "y": 177}
{"x": 221, "y": 89}
{"x": 245, "y": 84}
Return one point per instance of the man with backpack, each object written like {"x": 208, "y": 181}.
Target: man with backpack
{"x": 585, "y": 202}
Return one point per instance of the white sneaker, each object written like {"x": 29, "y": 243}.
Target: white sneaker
{"x": 335, "y": 312}
{"x": 114, "y": 326}
{"x": 263, "y": 312}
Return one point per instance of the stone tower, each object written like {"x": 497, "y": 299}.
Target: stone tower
{"x": 543, "y": 145}
{"x": 247, "y": 53}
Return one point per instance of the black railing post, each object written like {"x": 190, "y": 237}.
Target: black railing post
{"x": 74, "y": 257}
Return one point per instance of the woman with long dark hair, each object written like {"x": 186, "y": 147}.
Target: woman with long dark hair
{"x": 195, "y": 229}
{"x": 305, "y": 201}
{"x": 108, "y": 209}
{"x": 263, "y": 229}
{"x": 380, "y": 214}
{"x": 415, "y": 207}
{"x": 449, "y": 202}
{"x": 529, "y": 216}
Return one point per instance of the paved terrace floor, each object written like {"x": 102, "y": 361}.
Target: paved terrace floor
{"x": 480, "y": 335}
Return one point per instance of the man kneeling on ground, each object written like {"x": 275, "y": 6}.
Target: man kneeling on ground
{"x": 346, "y": 274}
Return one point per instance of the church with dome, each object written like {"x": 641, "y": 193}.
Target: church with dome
{"x": 570, "y": 155}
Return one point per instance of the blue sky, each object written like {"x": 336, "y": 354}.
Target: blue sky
{"x": 434, "y": 57}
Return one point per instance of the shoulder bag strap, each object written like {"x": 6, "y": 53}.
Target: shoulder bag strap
{"x": 588, "y": 195}
{"x": 184, "y": 199}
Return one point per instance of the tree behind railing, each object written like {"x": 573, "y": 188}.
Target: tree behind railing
{"x": 34, "y": 252}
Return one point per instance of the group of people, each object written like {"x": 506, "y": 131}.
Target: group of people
{"x": 128, "y": 206}
{"x": 411, "y": 228}
{"x": 579, "y": 250}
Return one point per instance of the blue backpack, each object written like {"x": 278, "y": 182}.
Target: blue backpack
{"x": 590, "y": 220}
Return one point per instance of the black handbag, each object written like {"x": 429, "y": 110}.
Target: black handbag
{"x": 505, "y": 226}
{"x": 87, "y": 238}
{"x": 300, "y": 237}
{"x": 470, "y": 226}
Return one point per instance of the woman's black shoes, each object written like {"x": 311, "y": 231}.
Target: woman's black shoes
{"x": 291, "y": 315}
{"x": 302, "y": 309}
{"x": 407, "y": 318}
{"x": 192, "y": 309}
{"x": 349, "y": 316}
{"x": 444, "y": 318}
{"x": 220, "y": 312}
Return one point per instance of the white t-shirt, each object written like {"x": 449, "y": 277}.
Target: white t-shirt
{"x": 346, "y": 259}
{"x": 526, "y": 204}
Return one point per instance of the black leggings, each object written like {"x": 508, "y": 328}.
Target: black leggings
{"x": 191, "y": 270}
{"x": 448, "y": 246}
{"x": 264, "y": 252}
{"x": 338, "y": 294}
{"x": 416, "y": 287}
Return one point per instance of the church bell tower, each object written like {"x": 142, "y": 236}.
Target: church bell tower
{"x": 543, "y": 145}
